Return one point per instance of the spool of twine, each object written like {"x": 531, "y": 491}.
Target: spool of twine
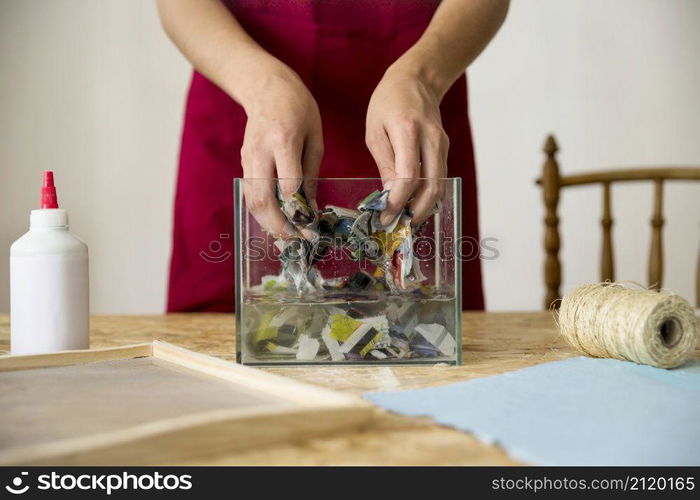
{"x": 621, "y": 321}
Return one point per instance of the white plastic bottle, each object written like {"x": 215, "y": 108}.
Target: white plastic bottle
{"x": 49, "y": 284}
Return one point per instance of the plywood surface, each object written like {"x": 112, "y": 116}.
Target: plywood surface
{"x": 492, "y": 343}
{"x": 122, "y": 393}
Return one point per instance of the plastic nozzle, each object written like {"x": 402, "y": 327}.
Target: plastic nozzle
{"x": 48, "y": 191}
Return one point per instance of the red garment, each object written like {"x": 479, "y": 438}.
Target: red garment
{"x": 340, "y": 49}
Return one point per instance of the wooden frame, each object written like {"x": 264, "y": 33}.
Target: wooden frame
{"x": 308, "y": 411}
{"x": 552, "y": 183}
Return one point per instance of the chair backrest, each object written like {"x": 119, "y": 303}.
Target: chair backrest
{"x": 552, "y": 183}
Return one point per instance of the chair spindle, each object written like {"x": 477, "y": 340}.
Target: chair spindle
{"x": 550, "y": 190}
{"x": 656, "y": 251}
{"x": 697, "y": 282}
{"x": 607, "y": 265}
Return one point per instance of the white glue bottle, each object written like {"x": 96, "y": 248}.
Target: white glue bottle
{"x": 49, "y": 285}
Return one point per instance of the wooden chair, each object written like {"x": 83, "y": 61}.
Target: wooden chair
{"x": 552, "y": 183}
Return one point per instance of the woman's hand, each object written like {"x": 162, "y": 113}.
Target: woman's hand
{"x": 283, "y": 134}
{"x": 405, "y": 136}
{"x": 404, "y": 131}
{"x": 282, "y": 139}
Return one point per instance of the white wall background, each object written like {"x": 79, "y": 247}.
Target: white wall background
{"x": 95, "y": 91}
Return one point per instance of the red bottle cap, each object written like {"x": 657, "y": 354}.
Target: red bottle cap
{"x": 48, "y": 192}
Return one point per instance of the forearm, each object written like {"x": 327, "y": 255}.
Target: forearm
{"x": 458, "y": 32}
{"x": 218, "y": 47}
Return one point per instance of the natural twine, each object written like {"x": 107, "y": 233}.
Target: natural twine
{"x": 618, "y": 320}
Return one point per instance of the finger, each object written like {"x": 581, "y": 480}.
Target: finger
{"x": 261, "y": 202}
{"x": 288, "y": 164}
{"x": 434, "y": 146}
{"x": 380, "y": 148}
{"x": 311, "y": 164}
{"x": 290, "y": 175}
{"x": 259, "y": 186}
{"x": 405, "y": 143}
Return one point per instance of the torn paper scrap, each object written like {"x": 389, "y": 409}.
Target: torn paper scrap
{"x": 308, "y": 348}
{"x": 438, "y": 336}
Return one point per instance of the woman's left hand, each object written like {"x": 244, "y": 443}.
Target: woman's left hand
{"x": 404, "y": 134}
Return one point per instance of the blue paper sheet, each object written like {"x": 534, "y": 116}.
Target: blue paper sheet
{"x": 578, "y": 411}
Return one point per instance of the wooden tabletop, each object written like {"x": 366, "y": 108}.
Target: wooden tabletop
{"x": 492, "y": 343}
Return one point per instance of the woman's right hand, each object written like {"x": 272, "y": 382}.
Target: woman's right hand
{"x": 282, "y": 139}
{"x": 283, "y": 134}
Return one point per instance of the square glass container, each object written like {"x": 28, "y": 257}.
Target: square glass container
{"x": 342, "y": 308}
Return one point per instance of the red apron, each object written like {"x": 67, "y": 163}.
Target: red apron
{"x": 340, "y": 49}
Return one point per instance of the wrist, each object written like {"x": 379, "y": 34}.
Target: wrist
{"x": 409, "y": 66}
{"x": 251, "y": 81}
